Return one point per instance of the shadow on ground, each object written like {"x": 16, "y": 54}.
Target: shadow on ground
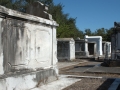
{"x": 106, "y": 84}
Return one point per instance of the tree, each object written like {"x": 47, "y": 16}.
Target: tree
{"x": 6, "y": 3}
{"x": 101, "y": 32}
{"x": 67, "y": 25}
{"x": 88, "y": 32}
{"x": 108, "y": 34}
{"x": 47, "y": 2}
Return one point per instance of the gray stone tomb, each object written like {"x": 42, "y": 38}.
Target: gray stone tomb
{"x": 80, "y": 48}
{"x": 85, "y": 52}
{"x": 65, "y": 49}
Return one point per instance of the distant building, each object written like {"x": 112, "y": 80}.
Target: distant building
{"x": 85, "y": 52}
{"x": 95, "y": 46}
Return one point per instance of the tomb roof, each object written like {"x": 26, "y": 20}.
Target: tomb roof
{"x": 5, "y": 12}
{"x": 65, "y": 39}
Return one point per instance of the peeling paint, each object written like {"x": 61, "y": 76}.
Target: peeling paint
{"x": 27, "y": 50}
{"x": 23, "y": 44}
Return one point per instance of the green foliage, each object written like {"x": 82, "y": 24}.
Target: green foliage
{"x": 20, "y": 5}
{"x": 67, "y": 25}
{"x": 88, "y": 32}
{"x": 108, "y": 34}
{"x": 46, "y": 2}
{"x": 6, "y": 3}
{"x": 101, "y": 32}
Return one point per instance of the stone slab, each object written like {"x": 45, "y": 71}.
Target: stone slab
{"x": 59, "y": 84}
{"x": 96, "y": 68}
{"x": 67, "y": 64}
{"x": 85, "y": 67}
{"x": 105, "y": 70}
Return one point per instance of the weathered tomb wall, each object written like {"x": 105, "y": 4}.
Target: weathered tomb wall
{"x": 27, "y": 44}
{"x": 80, "y": 48}
{"x": 65, "y": 49}
{"x": 27, "y": 81}
{"x": 106, "y": 48}
{"x": 72, "y": 50}
{"x": 79, "y": 45}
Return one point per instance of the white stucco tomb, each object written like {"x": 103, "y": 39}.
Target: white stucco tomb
{"x": 106, "y": 48}
{"x": 28, "y": 49}
{"x": 98, "y": 44}
{"x": 65, "y": 49}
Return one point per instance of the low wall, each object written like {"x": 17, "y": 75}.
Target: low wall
{"x": 27, "y": 80}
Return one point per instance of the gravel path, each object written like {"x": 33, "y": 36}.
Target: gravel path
{"x": 90, "y": 83}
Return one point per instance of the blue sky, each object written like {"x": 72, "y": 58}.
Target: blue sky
{"x": 92, "y": 14}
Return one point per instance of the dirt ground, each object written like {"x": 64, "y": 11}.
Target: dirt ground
{"x": 90, "y": 83}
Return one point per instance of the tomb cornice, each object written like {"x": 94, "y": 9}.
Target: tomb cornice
{"x": 8, "y": 13}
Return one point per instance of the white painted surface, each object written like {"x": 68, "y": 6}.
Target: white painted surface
{"x": 72, "y": 50}
{"x": 30, "y": 46}
{"x": 27, "y": 16}
{"x": 1, "y": 64}
{"x": 95, "y": 46}
{"x": 106, "y": 47}
{"x": 98, "y": 40}
{"x": 59, "y": 84}
{"x": 18, "y": 83}
{"x": 86, "y": 47}
{"x": 54, "y": 51}
{"x": 76, "y": 76}
{"x": 1, "y": 49}
{"x": 55, "y": 60}
{"x": 40, "y": 43}
{"x": 109, "y": 47}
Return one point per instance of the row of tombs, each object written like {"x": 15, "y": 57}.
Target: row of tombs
{"x": 29, "y": 49}
{"x": 89, "y": 47}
